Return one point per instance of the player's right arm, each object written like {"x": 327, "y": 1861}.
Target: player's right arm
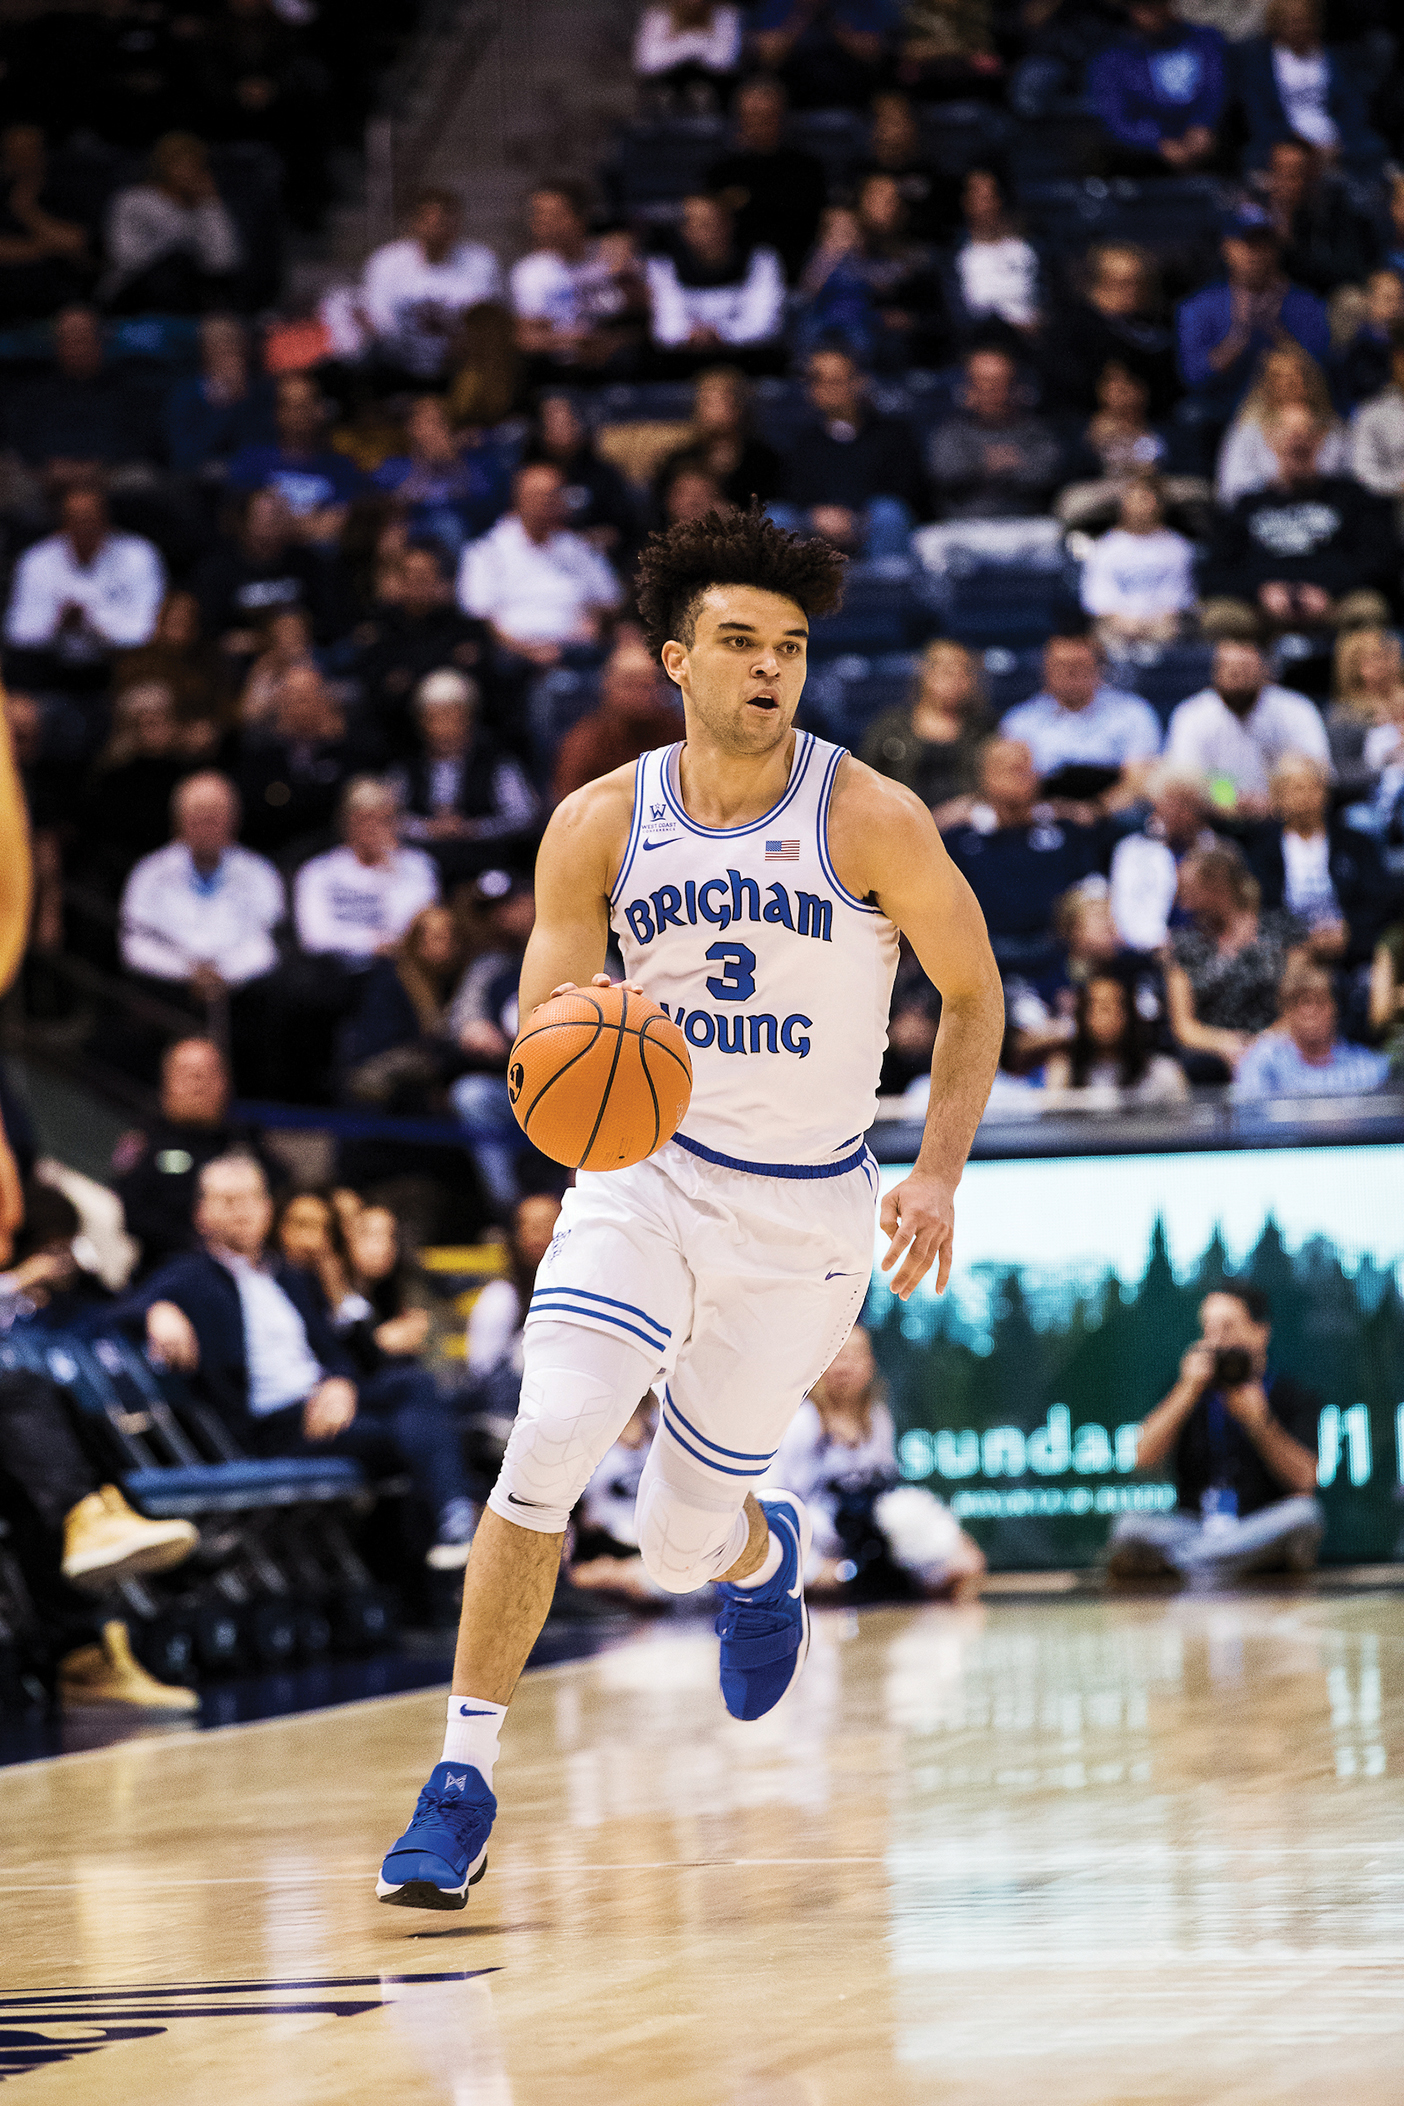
{"x": 578, "y": 862}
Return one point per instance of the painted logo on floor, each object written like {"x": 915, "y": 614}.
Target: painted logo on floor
{"x": 48, "y": 2026}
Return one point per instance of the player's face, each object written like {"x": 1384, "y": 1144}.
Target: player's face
{"x": 743, "y": 675}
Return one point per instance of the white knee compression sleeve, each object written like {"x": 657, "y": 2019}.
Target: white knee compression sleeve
{"x": 580, "y": 1388}
{"x": 691, "y": 1527}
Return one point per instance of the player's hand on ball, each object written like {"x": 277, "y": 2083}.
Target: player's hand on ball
{"x": 599, "y": 980}
{"x": 919, "y": 1217}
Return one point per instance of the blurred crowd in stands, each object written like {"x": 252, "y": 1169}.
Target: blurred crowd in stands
{"x": 1079, "y": 326}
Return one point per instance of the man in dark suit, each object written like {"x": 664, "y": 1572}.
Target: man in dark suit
{"x": 1330, "y": 875}
{"x": 421, "y": 632}
{"x": 155, "y": 1169}
{"x": 257, "y": 1336}
{"x": 466, "y": 801}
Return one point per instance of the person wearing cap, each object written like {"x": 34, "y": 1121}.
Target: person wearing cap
{"x": 1223, "y": 330}
{"x": 465, "y": 800}
{"x": 1159, "y": 92}
{"x": 483, "y": 1018}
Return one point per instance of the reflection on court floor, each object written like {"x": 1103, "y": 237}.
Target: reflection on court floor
{"x": 1093, "y": 1852}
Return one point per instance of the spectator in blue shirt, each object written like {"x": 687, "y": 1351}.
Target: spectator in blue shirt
{"x": 316, "y": 484}
{"x": 451, "y": 490}
{"x": 1304, "y": 1057}
{"x": 224, "y": 408}
{"x": 1160, "y": 92}
{"x": 1223, "y": 330}
{"x": 1086, "y": 738}
{"x": 1019, "y": 860}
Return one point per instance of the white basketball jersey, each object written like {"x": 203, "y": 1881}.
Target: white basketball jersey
{"x": 778, "y": 978}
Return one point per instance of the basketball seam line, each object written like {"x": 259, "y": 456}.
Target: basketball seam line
{"x": 553, "y": 1079}
{"x": 609, "y": 1080}
{"x": 643, "y": 1068}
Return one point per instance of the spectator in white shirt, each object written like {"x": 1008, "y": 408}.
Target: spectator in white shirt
{"x": 200, "y": 913}
{"x": 1236, "y": 730}
{"x": 415, "y": 291}
{"x": 1377, "y": 429}
{"x": 572, "y": 296}
{"x": 540, "y": 587}
{"x": 1077, "y": 722}
{"x": 997, "y": 271}
{"x": 355, "y": 902}
{"x": 1138, "y": 581}
{"x": 83, "y": 593}
{"x": 711, "y": 291}
{"x": 1145, "y": 866}
{"x": 171, "y": 245}
{"x": 1288, "y": 378}
{"x": 688, "y": 44}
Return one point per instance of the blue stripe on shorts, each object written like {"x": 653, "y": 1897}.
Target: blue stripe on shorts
{"x": 559, "y": 1301}
{"x": 719, "y": 1468}
{"x": 736, "y": 1454}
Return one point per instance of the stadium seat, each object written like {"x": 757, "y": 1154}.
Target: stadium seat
{"x": 838, "y": 137}
{"x": 844, "y": 696}
{"x": 961, "y": 135}
{"x": 881, "y": 612}
{"x": 163, "y": 1472}
{"x": 1010, "y": 676}
{"x": 1051, "y": 148}
{"x": 556, "y": 700}
{"x": 1163, "y": 674}
{"x": 1169, "y": 214}
{"x": 997, "y": 581}
{"x": 654, "y": 165}
{"x": 642, "y": 401}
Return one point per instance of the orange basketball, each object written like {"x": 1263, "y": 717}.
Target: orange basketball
{"x": 599, "y": 1079}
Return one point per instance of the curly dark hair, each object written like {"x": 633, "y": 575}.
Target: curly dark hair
{"x": 730, "y": 548}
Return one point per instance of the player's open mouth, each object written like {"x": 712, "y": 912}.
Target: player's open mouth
{"x": 763, "y": 701}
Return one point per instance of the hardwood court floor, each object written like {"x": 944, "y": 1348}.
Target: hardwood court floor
{"x": 1076, "y": 1853}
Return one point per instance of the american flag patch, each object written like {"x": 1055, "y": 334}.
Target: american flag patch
{"x": 782, "y": 851}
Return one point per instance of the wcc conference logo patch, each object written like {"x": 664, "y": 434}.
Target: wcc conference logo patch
{"x": 47, "y": 2026}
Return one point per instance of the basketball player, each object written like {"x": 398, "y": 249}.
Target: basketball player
{"x": 757, "y": 879}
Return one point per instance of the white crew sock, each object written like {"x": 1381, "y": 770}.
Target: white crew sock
{"x": 768, "y": 1566}
{"x": 473, "y": 1727}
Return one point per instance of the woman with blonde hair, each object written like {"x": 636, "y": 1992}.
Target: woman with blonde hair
{"x": 1366, "y": 720}
{"x": 929, "y": 743}
{"x": 1287, "y": 378}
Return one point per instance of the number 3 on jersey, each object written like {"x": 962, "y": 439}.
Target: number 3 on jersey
{"x": 738, "y": 982}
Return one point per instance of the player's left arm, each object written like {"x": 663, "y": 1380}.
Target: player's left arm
{"x": 884, "y": 846}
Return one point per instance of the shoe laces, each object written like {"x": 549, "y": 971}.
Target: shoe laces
{"x": 749, "y": 1617}
{"x": 463, "y": 1813}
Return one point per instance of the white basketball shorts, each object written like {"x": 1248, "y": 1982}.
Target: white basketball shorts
{"x": 740, "y": 1288}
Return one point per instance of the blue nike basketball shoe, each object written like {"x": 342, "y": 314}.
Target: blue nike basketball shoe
{"x": 443, "y": 1852}
{"x": 764, "y": 1631}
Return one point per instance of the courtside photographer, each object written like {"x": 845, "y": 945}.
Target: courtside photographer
{"x": 1240, "y": 1439}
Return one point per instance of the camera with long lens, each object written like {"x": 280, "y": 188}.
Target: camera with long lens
{"x": 1233, "y": 1365}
